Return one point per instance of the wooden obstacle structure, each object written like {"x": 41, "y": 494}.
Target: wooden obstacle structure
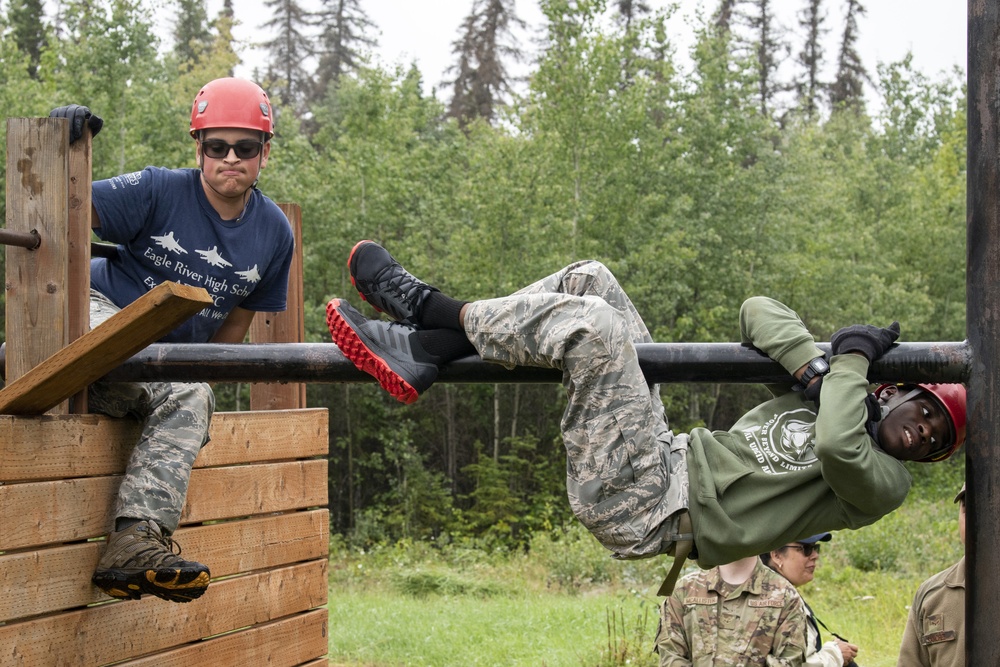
{"x": 256, "y": 507}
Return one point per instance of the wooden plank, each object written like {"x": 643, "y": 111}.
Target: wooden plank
{"x": 58, "y": 578}
{"x": 245, "y": 437}
{"x": 61, "y": 511}
{"x": 51, "y": 447}
{"x": 78, "y": 230}
{"x": 38, "y": 513}
{"x": 130, "y": 629}
{"x": 229, "y": 492}
{"x": 36, "y": 280}
{"x": 86, "y": 359}
{"x": 285, "y": 643}
{"x": 283, "y": 327}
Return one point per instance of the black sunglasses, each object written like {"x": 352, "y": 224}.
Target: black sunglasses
{"x": 218, "y": 149}
{"x": 807, "y": 549}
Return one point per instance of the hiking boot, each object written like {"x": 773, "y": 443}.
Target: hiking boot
{"x": 386, "y": 285}
{"x": 141, "y": 559}
{"x": 388, "y": 351}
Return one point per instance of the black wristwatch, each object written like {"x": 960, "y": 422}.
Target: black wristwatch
{"x": 815, "y": 368}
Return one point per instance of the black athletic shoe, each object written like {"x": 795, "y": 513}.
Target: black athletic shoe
{"x": 141, "y": 559}
{"x": 386, "y": 285}
{"x": 388, "y": 351}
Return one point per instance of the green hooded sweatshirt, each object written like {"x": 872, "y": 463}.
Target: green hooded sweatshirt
{"x": 786, "y": 471}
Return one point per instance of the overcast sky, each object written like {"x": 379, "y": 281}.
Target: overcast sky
{"x": 423, "y": 30}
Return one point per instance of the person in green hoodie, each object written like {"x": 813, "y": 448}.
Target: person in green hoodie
{"x": 827, "y": 457}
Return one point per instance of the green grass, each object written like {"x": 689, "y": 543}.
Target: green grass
{"x": 566, "y": 603}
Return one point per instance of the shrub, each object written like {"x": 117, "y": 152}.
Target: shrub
{"x": 572, "y": 557}
{"x": 423, "y": 583}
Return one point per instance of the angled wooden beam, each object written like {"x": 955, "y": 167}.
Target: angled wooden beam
{"x": 91, "y": 356}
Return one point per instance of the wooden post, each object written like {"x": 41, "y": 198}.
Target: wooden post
{"x": 78, "y": 232}
{"x": 284, "y": 327}
{"x": 38, "y": 188}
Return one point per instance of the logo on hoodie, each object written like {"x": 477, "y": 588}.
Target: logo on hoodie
{"x": 785, "y": 442}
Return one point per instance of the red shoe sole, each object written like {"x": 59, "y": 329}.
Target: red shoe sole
{"x": 364, "y": 359}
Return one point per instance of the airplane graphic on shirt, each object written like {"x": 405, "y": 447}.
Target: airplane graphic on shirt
{"x": 170, "y": 243}
{"x": 250, "y": 275}
{"x": 213, "y": 257}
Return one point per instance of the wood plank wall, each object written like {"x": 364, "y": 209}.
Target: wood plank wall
{"x": 255, "y": 514}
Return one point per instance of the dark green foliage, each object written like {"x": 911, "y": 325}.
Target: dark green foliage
{"x": 344, "y": 38}
{"x": 286, "y": 79}
{"x": 192, "y": 38}
{"x": 847, "y": 91}
{"x": 26, "y": 23}
{"x": 484, "y": 50}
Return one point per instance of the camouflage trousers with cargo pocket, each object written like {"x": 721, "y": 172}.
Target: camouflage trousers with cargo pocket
{"x": 626, "y": 472}
{"x": 175, "y": 419}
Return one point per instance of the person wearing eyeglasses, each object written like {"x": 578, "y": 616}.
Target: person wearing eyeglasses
{"x": 797, "y": 562}
{"x": 740, "y": 613}
{"x": 208, "y": 227}
{"x": 935, "y": 628}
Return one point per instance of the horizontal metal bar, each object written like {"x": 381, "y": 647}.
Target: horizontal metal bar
{"x": 661, "y": 362}
{"x": 30, "y": 240}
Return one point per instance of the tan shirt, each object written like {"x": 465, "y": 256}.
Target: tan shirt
{"x": 935, "y": 630}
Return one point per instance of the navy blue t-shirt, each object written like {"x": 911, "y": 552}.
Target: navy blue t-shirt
{"x": 166, "y": 229}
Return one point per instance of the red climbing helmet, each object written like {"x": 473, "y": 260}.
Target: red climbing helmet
{"x": 951, "y": 397}
{"x": 232, "y": 102}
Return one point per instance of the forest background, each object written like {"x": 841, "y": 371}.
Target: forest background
{"x": 700, "y": 179}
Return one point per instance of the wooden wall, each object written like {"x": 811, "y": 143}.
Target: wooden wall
{"x": 254, "y": 514}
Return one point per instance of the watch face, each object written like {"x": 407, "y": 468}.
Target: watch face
{"x": 820, "y": 365}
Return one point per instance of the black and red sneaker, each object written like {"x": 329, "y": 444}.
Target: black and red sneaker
{"x": 387, "y": 286}
{"x": 388, "y": 351}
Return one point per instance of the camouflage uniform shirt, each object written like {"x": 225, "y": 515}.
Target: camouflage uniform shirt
{"x": 709, "y": 623}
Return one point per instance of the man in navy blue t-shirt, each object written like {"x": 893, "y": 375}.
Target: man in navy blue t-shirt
{"x": 208, "y": 227}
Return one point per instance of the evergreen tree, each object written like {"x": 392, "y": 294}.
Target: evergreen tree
{"x": 25, "y": 19}
{"x": 223, "y": 26}
{"x": 809, "y": 87}
{"x": 768, "y": 45}
{"x": 192, "y": 37}
{"x": 482, "y": 80}
{"x": 628, "y": 14}
{"x": 848, "y": 87}
{"x": 724, "y": 15}
{"x": 631, "y": 10}
{"x": 752, "y": 34}
{"x": 287, "y": 79}
{"x": 343, "y": 26}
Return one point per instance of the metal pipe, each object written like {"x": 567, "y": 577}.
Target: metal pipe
{"x": 661, "y": 362}
{"x": 982, "y": 461}
{"x": 30, "y": 240}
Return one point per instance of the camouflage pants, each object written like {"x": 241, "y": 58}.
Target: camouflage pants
{"x": 626, "y": 472}
{"x": 175, "y": 427}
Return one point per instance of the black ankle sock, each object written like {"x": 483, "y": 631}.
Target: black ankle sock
{"x": 125, "y": 522}
{"x": 441, "y": 312}
{"x": 445, "y": 344}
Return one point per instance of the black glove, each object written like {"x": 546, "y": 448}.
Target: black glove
{"x": 77, "y": 116}
{"x": 869, "y": 340}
